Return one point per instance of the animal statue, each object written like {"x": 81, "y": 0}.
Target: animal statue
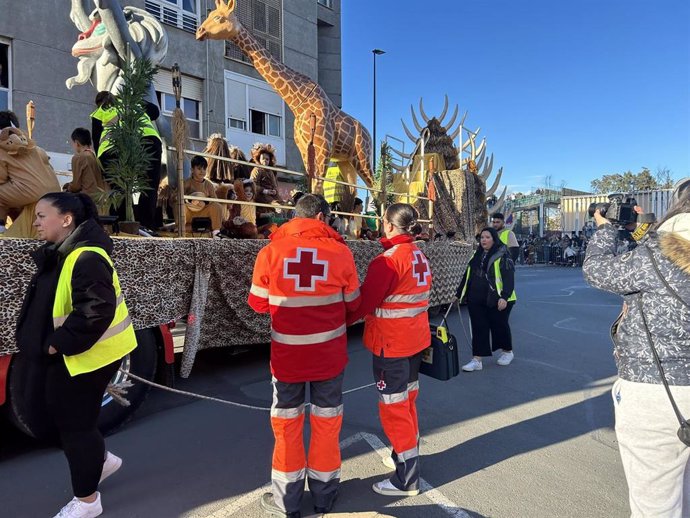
{"x": 337, "y": 135}
{"x": 461, "y": 190}
{"x": 110, "y": 36}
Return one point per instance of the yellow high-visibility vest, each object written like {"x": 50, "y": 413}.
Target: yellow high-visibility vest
{"x": 499, "y": 282}
{"x": 118, "y": 340}
{"x": 504, "y": 235}
{"x": 148, "y": 128}
{"x": 105, "y": 115}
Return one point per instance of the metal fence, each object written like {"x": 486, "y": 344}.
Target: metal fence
{"x": 550, "y": 254}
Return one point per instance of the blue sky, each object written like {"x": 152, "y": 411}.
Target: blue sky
{"x": 568, "y": 88}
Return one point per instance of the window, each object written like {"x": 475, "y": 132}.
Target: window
{"x": 263, "y": 19}
{"x": 5, "y": 76}
{"x": 183, "y": 14}
{"x": 254, "y": 112}
{"x": 264, "y": 123}
{"x": 190, "y": 103}
{"x": 326, "y": 3}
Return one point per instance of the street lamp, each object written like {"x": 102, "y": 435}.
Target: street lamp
{"x": 376, "y": 52}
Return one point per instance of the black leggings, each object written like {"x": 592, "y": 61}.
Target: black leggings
{"x": 490, "y": 322}
{"x": 75, "y": 403}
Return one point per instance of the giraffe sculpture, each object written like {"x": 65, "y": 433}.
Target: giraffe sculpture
{"x": 337, "y": 135}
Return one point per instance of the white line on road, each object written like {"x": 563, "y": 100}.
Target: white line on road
{"x": 428, "y": 490}
{"x": 377, "y": 445}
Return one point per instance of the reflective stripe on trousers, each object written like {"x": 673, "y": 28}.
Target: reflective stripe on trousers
{"x": 322, "y": 467}
{"x": 397, "y": 382}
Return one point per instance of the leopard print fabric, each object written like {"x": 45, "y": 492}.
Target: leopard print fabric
{"x": 207, "y": 280}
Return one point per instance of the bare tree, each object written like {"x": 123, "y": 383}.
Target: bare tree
{"x": 664, "y": 177}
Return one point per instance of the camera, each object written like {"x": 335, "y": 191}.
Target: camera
{"x": 620, "y": 209}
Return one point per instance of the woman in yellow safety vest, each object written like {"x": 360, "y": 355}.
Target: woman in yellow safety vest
{"x": 488, "y": 286}
{"x": 75, "y": 322}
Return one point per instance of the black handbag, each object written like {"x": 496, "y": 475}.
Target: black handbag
{"x": 684, "y": 430}
{"x": 440, "y": 360}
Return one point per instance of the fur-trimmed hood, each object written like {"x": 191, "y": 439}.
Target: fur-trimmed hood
{"x": 677, "y": 249}
{"x": 674, "y": 240}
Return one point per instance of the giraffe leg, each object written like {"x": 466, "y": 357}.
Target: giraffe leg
{"x": 363, "y": 154}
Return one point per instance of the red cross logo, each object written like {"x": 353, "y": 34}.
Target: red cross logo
{"x": 305, "y": 269}
{"x": 381, "y": 385}
{"x": 420, "y": 268}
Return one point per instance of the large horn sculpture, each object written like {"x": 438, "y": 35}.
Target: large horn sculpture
{"x": 409, "y": 133}
{"x": 445, "y": 110}
{"x": 493, "y": 188}
{"x": 499, "y": 204}
{"x": 421, "y": 111}
{"x": 487, "y": 169}
{"x": 399, "y": 168}
{"x": 452, "y": 119}
{"x": 455, "y": 134}
{"x": 419, "y": 127}
{"x": 408, "y": 156}
{"x": 480, "y": 160}
{"x": 482, "y": 147}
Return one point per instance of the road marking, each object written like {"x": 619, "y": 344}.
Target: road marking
{"x": 561, "y": 324}
{"x": 377, "y": 445}
{"x": 428, "y": 490}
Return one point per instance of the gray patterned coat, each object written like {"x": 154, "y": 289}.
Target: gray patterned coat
{"x": 633, "y": 276}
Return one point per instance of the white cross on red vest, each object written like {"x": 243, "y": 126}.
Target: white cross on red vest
{"x": 420, "y": 268}
{"x": 305, "y": 269}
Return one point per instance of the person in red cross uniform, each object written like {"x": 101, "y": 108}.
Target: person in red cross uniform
{"x": 307, "y": 280}
{"x": 395, "y": 299}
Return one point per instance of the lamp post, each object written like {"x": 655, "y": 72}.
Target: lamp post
{"x": 377, "y": 52}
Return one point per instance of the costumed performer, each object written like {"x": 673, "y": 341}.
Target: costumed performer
{"x": 265, "y": 179}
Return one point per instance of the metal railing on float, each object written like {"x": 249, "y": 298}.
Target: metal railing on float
{"x": 181, "y": 223}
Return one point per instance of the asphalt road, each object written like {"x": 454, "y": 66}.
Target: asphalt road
{"x": 534, "y": 439}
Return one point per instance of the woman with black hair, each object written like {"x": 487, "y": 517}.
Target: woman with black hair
{"x": 488, "y": 286}
{"x": 75, "y": 323}
{"x": 651, "y": 342}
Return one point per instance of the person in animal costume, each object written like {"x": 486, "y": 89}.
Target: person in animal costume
{"x": 25, "y": 170}
{"x": 242, "y": 221}
{"x": 265, "y": 179}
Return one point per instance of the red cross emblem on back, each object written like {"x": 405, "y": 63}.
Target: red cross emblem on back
{"x": 420, "y": 268}
{"x": 305, "y": 269}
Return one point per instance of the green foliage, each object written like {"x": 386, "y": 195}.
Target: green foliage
{"x": 384, "y": 165}
{"x": 625, "y": 182}
{"x": 127, "y": 173}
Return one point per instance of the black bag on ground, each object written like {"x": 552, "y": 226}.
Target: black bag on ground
{"x": 440, "y": 360}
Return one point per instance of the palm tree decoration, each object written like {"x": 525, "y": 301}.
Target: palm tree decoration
{"x": 127, "y": 173}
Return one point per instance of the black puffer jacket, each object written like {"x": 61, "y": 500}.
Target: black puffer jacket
{"x": 93, "y": 296}
{"x": 632, "y": 275}
{"x": 506, "y": 267}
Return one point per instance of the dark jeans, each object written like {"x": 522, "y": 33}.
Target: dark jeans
{"x": 490, "y": 329}
{"x": 75, "y": 403}
{"x": 145, "y": 210}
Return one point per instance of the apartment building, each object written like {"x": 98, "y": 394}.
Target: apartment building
{"x": 222, "y": 92}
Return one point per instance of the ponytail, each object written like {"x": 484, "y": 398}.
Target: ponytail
{"x": 403, "y": 217}
{"x": 80, "y": 205}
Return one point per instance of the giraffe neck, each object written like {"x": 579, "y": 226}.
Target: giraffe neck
{"x": 290, "y": 85}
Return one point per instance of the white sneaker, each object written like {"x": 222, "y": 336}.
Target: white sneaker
{"x": 111, "y": 464}
{"x": 75, "y": 508}
{"x": 505, "y": 358}
{"x": 386, "y": 488}
{"x": 473, "y": 365}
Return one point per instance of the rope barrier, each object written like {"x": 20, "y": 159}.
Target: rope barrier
{"x": 121, "y": 393}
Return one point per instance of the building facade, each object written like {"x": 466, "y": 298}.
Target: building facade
{"x": 222, "y": 92}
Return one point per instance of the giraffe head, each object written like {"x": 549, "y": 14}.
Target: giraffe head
{"x": 221, "y": 23}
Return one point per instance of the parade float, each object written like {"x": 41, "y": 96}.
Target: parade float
{"x": 206, "y": 281}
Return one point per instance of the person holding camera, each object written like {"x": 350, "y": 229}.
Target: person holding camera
{"x": 651, "y": 340}
{"x": 488, "y": 286}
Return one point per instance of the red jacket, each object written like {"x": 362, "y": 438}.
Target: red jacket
{"x": 395, "y": 299}
{"x": 306, "y": 278}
